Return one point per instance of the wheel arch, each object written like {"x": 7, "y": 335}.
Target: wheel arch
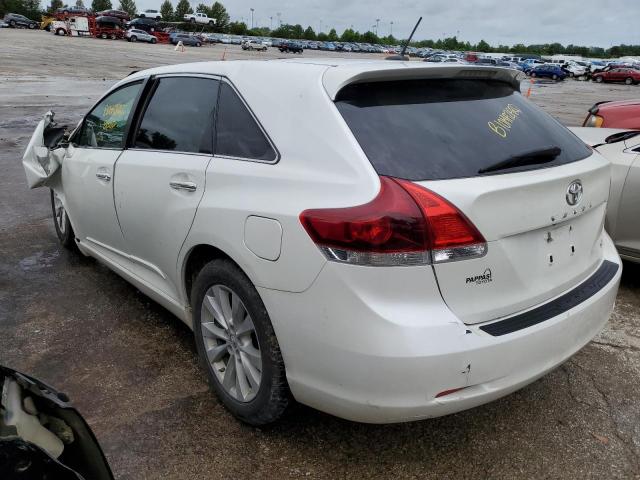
{"x": 196, "y": 258}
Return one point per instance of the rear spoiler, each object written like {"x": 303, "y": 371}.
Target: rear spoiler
{"x": 337, "y": 77}
{"x": 596, "y": 107}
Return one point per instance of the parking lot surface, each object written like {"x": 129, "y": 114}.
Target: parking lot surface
{"x": 130, "y": 367}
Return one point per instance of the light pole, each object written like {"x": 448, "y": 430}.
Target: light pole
{"x": 271, "y": 22}
{"x": 377, "y": 22}
{"x": 251, "y": 18}
{"x": 320, "y": 29}
{"x": 279, "y": 19}
{"x": 391, "y": 29}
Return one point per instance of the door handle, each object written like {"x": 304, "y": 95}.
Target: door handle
{"x": 103, "y": 176}
{"x": 188, "y": 186}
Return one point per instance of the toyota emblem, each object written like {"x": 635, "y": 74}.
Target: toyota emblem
{"x": 574, "y": 192}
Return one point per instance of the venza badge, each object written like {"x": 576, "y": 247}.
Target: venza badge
{"x": 574, "y": 192}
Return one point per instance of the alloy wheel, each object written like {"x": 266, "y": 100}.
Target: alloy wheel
{"x": 60, "y": 214}
{"x": 231, "y": 343}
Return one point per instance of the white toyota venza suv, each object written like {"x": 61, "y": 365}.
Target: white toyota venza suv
{"x": 383, "y": 241}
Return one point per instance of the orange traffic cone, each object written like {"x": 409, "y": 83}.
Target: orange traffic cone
{"x": 531, "y": 85}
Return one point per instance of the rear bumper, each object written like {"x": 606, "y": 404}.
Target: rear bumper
{"x": 377, "y": 345}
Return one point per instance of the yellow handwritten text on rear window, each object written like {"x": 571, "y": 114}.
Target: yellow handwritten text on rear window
{"x": 501, "y": 126}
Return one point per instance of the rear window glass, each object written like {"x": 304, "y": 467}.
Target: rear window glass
{"x": 444, "y": 129}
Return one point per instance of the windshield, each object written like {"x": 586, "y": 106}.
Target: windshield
{"x": 446, "y": 128}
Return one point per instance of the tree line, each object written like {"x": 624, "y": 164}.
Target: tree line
{"x": 31, "y": 9}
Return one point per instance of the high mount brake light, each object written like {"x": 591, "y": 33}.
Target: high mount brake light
{"x": 405, "y": 224}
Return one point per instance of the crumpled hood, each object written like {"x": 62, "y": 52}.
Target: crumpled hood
{"x": 40, "y": 162}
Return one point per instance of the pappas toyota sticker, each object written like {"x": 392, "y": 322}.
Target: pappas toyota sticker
{"x": 480, "y": 279}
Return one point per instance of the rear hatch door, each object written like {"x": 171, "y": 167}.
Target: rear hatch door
{"x": 534, "y": 190}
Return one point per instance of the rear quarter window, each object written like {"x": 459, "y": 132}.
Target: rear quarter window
{"x": 450, "y": 128}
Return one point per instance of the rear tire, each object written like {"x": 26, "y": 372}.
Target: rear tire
{"x": 12, "y": 23}
{"x": 31, "y": 26}
{"x": 599, "y": 80}
{"x": 554, "y": 77}
{"x": 225, "y": 285}
{"x": 64, "y": 230}
{"x": 198, "y": 44}
{"x": 153, "y": 41}
{"x": 103, "y": 36}
{"x": 533, "y": 74}
{"x": 133, "y": 38}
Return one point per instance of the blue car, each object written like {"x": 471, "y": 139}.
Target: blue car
{"x": 549, "y": 71}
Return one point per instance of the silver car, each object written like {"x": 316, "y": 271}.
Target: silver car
{"x": 622, "y": 149}
{"x": 135, "y": 35}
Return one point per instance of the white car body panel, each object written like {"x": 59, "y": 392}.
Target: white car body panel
{"x": 381, "y": 349}
{"x": 529, "y": 253}
{"x": 373, "y": 344}
{"x": 624, "y": 200}
{"x": 155, "y": 217}
{"x": 89, "y": 198}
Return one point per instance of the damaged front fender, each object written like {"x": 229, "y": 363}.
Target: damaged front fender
{"x": 44, "y": 155}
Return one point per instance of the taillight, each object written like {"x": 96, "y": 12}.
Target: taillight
{"x": 405, "y": 224}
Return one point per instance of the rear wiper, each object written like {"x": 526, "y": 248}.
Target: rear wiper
{"x": 618, "y": 137}
{"x": 535, "y": 157}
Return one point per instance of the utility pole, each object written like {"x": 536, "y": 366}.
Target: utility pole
{"x": 251, "y": 18}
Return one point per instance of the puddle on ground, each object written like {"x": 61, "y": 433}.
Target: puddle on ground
{"x": 39, "y": 260}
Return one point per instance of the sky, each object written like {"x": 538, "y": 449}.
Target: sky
{"x": 600, "y": 23}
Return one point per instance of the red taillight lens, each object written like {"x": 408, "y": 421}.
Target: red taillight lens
{"x": 405, "y": 224}
{"x": 452, "y": 236}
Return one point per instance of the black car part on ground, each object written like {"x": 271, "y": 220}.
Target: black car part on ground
{"x": 81, "y": 458}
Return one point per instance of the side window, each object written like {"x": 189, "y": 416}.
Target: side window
{"x": 180, "y": 116}
{"x": 105, "y": 125}
{"x": 237, "y": 133}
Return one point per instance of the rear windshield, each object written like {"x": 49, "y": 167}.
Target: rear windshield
{"x": 445, "y": 128}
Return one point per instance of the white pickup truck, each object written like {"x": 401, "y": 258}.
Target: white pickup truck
{"x": 199, "y": 18}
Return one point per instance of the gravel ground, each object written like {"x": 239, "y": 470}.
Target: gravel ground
{"x": 130, "y": 366}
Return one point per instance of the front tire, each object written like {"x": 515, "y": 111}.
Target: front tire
{"x": 31, "y": 26}
{"x": 599, "y": 80}
{"x": 153, "y": 41}
{"x": 237, "y": 345}
{"x": 64, "y": 231}
{"x": 133, "y": 38}
{"x": 628, "y": 81}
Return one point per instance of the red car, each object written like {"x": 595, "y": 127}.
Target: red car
{"x": 622, "y": 114}
{"x": 629, "y": 76}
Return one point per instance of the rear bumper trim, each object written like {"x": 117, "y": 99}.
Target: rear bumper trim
{"x": 569, "y": 300}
